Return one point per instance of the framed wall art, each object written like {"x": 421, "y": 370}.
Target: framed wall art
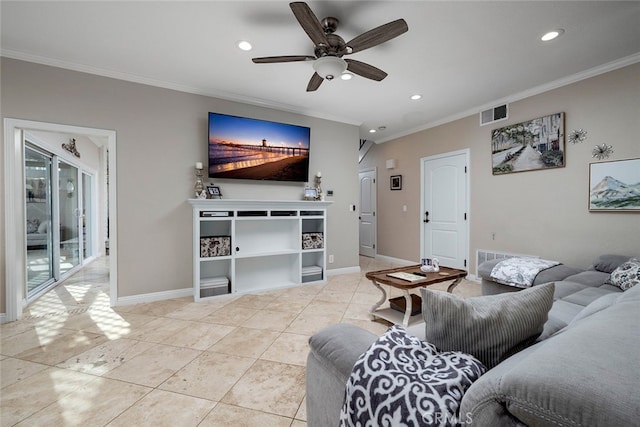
{"x": 614, "y": 186}
{"x": 532, "y": 145}
{"x": 396, "y": 182}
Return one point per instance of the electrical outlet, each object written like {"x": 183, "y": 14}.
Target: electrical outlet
{"x": 330, "y": 259}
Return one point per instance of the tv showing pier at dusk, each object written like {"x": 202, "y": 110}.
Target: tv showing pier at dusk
{"x": 244, "y": 148}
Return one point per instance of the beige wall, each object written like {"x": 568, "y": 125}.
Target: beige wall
{"x": 538, "y": 212}
{"x": 160, "y": 135}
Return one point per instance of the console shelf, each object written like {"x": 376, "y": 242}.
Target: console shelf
{"x": 257, "y": 245}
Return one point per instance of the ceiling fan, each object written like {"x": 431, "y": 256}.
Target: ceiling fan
{"x": 329, "y": 48}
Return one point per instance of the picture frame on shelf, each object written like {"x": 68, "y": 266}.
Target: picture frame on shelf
{"x": 213, "y": 192}
{"x": 530, "y": 145}
{"x": 395, "y": 182}
{"x": 611, "y": 186}
{"x": 310, "y": 193}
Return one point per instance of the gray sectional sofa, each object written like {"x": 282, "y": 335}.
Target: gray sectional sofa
{"x": 583, "y": 370}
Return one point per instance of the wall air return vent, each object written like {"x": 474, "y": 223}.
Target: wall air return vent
{"x": 494, "y": 114}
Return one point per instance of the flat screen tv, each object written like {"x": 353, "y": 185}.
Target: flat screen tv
{"x": 244, "y": 148}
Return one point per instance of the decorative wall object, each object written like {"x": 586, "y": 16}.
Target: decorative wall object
{"x": 71, "y": 147}
{"x": 602, "y": 151}
{"x": 532, "y": 145}
{"x": 577, "y": 135}
{"x": 396, "y": 182}
{"x": 615, "y": 186}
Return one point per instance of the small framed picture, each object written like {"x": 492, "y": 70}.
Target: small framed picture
{"x": 310, "y": 193}
{"x": 396, "y": 182}
{"x": 213, "y": 192}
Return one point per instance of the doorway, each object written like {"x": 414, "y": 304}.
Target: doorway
{"x": 445, "y": 214}
{"x": 71, "y": 187}
{"x": 60, "y": 217}
{"x": 367, "y": 216}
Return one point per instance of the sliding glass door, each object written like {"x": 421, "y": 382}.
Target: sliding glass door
{"x": 39, "y": 213}
{"x": 88, "y": 249}
{"x": 60, "y": 228}
{"x": 68, "y": 216}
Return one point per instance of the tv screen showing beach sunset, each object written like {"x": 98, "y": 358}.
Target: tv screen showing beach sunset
{"x": 245, "y": 148}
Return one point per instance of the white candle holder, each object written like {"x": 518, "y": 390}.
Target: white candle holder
{"x": 199, "y": 185}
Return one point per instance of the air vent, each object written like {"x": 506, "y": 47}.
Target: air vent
{"x": 494, "y": 114}
{"x": 483, "y": 255}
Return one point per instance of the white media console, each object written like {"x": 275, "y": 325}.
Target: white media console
{"x": 244, "y": 246}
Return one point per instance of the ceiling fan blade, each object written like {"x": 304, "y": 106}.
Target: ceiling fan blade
{"x": 309, "y": 23}
{"x": 314, "y": 83}
{"x": 378, "y": 35}
{"x": 365, "y": 70}
{"x": 289, "y": 58}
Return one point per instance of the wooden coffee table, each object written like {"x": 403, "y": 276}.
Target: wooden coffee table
{"x": 381, "y": 277}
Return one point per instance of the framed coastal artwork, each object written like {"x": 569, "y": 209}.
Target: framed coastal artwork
{"x": 614, "y": 186}
{"x": 532, "y": 145}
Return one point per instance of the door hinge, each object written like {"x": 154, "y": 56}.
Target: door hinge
{"x": 465, "y": 262}
{"x": 374, "y": 180}
{"x": 374, "y": 246}
{"x": 465, "y": 216}
{"x": 465, "y": 169}
{"x": 374, "y": 214}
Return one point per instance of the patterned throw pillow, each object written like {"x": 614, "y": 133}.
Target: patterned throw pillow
{"x": 626, "y": 276}
{"x": 32, "y": 225}
{"x": 403, "y": 381}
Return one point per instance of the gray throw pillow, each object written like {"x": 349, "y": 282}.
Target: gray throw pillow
{"x": 608, "y": 263}
{"x": 491, "y": 327}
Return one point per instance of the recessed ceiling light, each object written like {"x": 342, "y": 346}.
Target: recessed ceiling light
{"x": 372, "y": 131}
{"x": 552, "y": 35}
{"x": 346, "y": 76}
{"x": 245, "y": 45}
{"x": 416, "y": 97}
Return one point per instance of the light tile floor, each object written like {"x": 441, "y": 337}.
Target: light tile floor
{"x": 232, "y": 361}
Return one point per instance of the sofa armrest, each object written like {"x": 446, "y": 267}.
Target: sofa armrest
{"x": 587, "y": 375}
{"x": 334, "y": 351}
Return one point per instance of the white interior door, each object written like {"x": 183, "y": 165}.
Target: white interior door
{"x": 444, "y": 208}
{"x": 367, "y": 214}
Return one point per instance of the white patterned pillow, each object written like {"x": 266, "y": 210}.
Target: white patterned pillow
{"x": 626, "y": 276}
{"x": 403, "y": 381}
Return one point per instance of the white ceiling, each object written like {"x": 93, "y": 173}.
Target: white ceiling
{"x": 460, "y": 56}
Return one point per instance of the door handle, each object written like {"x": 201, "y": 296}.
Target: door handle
{"x": 426, "y": 216}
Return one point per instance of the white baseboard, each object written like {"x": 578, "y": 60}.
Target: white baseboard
{"x": 154, "y": 296}
{"x": 396, "y": 260}
{"x": 3, "y": 318}
{"x": 344, "y": 270}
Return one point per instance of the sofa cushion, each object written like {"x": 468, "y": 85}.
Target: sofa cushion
{"x": 403, "y": 378}
{"x": 588, "y": 375}
{"x": 489, "y": 327}
{"x": 589, "y": 278}
{"x": 585, "y": 296}
{"x": 596, "y": 306}
{"x": 608, "y": 263}
{"x": 626, "y": 275}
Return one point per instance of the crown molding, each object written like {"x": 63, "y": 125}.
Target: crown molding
{"x": 565, "y": 81}
{"x": 27, "y": 57}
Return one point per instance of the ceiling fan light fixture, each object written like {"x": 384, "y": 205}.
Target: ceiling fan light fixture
{"x": 416, "y": 97}
{"x": 346, "y": 76}
{"x": 329, "y": 67}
